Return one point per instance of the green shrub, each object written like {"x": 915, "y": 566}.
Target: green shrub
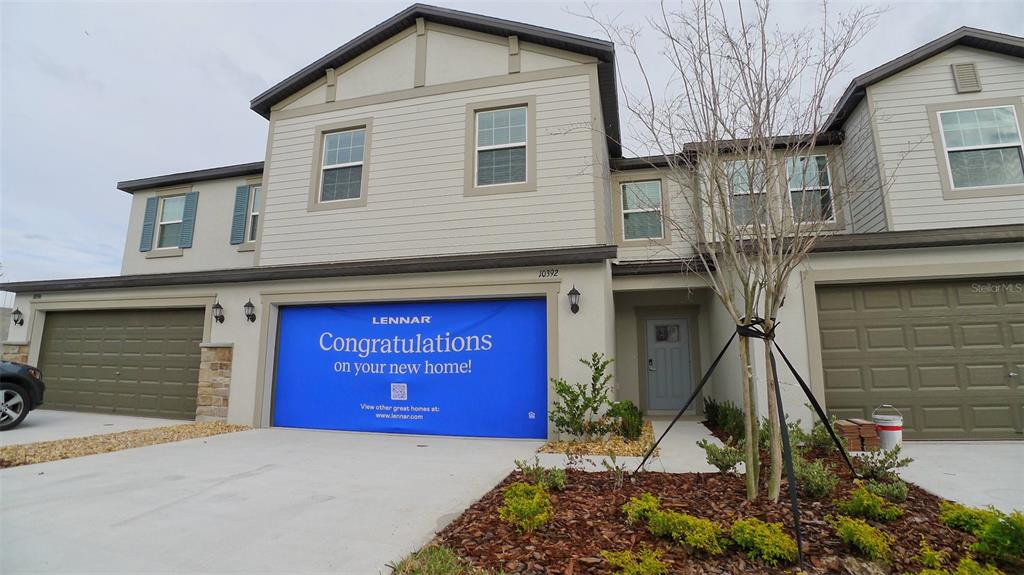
{"x": 553, "y": 478}
{"x": 1002, "y": 539}
{"x": 628, "y": 420}
{"x": 895, "y": 490}
{"x": 641, "y": 508}
{"x": 694, "y": 532}
{"x": 647, "y": 562}
{"x": 577, "y": 411}
{"x": 526, "y": 506}
{"x": 882, "y": 464}
{"x": 762, "y": 541}
{"x": 968, "y": 566}
{"x": 816, "y": 478}
{"x": 863, "y": 503}
{"x": 930, "y": 558}
{"x": 725, "y": 458}
{"x": 967, "y": 519}
{"x": 819, "y": 439}
{"x": 797, "y": 436}
{"x": 726, "y": 417}
{"x": 864, "y": 538}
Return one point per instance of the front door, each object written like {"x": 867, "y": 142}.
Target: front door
{"x": 669, "y": 374}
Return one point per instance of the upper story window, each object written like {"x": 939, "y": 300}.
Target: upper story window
{"x": 642, "y": 210}
{"x": 501, "y": 146}
{"x": 810, "y": 188}
{"x": 172, "y": 212}
{"x": 342, "y": 168}
{"x": 747, "y": 185}
{"x": 255, "y": 203}
{"x": 983, "y": 146}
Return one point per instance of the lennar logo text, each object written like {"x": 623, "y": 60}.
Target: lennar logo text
{"x": 400, "y": 320}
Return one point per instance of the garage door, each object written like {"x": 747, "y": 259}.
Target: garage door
{"x": 131, "y": 362}
{"x": 948, "y": 354}
{"x": 471, "y": 368}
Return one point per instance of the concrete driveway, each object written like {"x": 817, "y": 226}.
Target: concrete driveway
{"x": 258, "y": 501}
{"x": 48, "y": 425}
{"x": 976, "y": 473}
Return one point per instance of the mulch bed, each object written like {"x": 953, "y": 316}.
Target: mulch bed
{"x": 43, "y": 451}
{"x": 588, "y": 519}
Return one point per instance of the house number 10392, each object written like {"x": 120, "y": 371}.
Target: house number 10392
{"x": 548, "y": 273}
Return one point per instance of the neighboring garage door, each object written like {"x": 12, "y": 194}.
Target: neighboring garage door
{"x": 948, "y": 354}
{"x": 472, "y": 368}
{"x": 130, "y": 362}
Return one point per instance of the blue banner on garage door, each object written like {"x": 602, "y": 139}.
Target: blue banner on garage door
{"x": 474, "y": 368}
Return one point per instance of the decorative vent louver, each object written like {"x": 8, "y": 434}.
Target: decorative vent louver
{"x": 966, "y": 78}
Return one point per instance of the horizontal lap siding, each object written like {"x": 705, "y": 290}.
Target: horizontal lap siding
{"x": 907, "y": 149}
{"x": 864, "y": 202}
{"x": 680, "y": 216}
{"x": 415, "y": 202}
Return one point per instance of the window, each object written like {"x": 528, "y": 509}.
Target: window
{"x": 342, "y": 169}
{"x": 810, "y": 188}
{"x": 255, "y": 202}
{"x": 983, "y": 147}
{"x": 747, "y": 189}
{"x": 641, "y": 210}
{"x": 172, "y": 211}
{"x": 501, "y": 146}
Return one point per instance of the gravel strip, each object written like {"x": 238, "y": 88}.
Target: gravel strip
{"x": 43, "y": 451}
{"x": 611, "y": 445}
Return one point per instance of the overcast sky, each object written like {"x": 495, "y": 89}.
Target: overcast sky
{"x": 94, "y": 93}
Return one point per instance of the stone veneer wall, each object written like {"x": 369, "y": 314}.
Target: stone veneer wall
{"x": 214, "y": 383}
{"x": 16, "y": 352}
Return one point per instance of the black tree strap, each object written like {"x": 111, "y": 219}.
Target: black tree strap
{"x": 787, "y": 458}
{"x": 696, "y": 392}
{"x": 817, "y": 408}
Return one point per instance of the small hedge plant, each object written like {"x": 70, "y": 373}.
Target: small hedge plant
{"x": 552, "y": 479}
{"x": 863, "y": 503}
{"x": 857, "y": 534}
{"x": 725, "y": 416}
{"x": 895, "y": 490}
{"x": 816, "y": 478}
{"x": 527, "y": 506}
{"x": 967, "y": 519}
{"x": 967, "y": 566}
{"x": 882, "y": 464}
{"x": 1003, "y": 539}
{"x": 628, "y": 420}
{"x": 646, "y": 562}
{"x": 577, "y": 411}
{"x": 764, "y": 542}
{"x": 724, "y": 458}
{"x": 930, "y": 558}
{"x": 694, "y": 532}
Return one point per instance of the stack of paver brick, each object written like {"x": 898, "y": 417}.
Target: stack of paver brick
{"x": 858, "y": 434}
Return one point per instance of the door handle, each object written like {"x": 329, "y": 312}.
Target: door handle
{"x": 650, "y": 365}
{"x": 1013, "y": 374}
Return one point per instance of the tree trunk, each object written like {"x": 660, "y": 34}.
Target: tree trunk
{"x": 775, "y": 446}
{"x": 751, "y": 460}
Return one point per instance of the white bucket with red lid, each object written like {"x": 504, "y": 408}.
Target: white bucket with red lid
{"x": 888, "y": 426}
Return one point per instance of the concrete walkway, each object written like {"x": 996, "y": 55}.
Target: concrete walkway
{"x": 259, "y": 501}
{"x": 975, "y": 473}
{"x": 679, "y": 452}
{"x": 48, "y": 425}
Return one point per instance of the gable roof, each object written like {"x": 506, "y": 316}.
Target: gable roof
{"x": 603, "y": 50}
{"x": 963, "y": 36}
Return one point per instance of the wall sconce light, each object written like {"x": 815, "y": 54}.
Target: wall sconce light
{"x": 574, "y": 299}
{"x": 218, "y": 313}
{"x": 250, "y": 311}
{"x": 17, "y": 317}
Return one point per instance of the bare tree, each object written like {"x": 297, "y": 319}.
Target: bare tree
{"x": 736, "y": 127}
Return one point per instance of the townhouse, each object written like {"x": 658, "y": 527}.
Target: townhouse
{"x": 444, "y": 221}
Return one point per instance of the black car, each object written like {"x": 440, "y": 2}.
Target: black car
{"x": 21, "y": 391}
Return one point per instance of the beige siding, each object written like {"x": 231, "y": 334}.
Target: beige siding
{"x": 415, "y": 202}
{"x": 865, "y": 205}
{"x": 452, "y": 57}
{"x": 680, "y": 214}
{"x": 534, "y": 57}
{"x": 389, "y": 70}
{"x": 908, "y": 152}
{"x": 211, "y": 246}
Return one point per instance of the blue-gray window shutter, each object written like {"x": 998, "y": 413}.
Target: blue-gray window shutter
{"x": 238, "y": 218}
{"x": 148, "y": 224}
{"x": 188, "y": 219}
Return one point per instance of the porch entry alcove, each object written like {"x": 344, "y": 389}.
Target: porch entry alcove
{"x": 659, "y": 337}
